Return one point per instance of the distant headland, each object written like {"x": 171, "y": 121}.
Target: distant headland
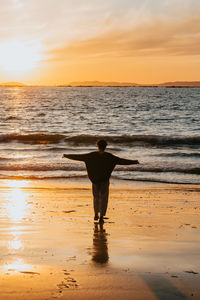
{"x": 12, "y": 84}
{"x": 108, "y": 84}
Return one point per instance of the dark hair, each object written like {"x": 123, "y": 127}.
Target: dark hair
{"x": 101, "y": 144}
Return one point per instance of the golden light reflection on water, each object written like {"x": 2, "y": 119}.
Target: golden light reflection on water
{"x": 17, "y": 199}
{"x": 15, "y": 244}
{"x": 16, "y": 210}
{"x": 16, "y": 183}
{"x": 17, "y": 266}
{"x": 17, "y": 205}
{"x": 19, "y": 155}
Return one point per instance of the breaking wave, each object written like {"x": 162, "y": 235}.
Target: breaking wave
{"x": 81, "y": 167}
{"x": 151, "y": 140}
{"x": 38, "y": 138}
{"x": 179, "y": 154}
{"x": 57, "y": 177}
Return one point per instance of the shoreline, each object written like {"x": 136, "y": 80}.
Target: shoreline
{"x": 85, "y": 182}
{"x": 148, "y": 247}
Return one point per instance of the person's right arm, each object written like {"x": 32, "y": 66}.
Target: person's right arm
{"x": 80, "y": 157}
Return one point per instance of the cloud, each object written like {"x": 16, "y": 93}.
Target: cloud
{"x": 57, "y": 21}
{"x": 94, "y": 29}
{"x": 158, "y": 37}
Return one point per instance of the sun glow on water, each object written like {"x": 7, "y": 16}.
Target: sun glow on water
{"x": 17, "y": 200}
{"x": 15, "y": 244}
{"x": 16, "y": 209}
{"x": 17, "y": 266}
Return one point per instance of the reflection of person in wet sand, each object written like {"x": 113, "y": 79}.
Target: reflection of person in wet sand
{"x": 100, "y": 165}
{"x": 100, "y": 248}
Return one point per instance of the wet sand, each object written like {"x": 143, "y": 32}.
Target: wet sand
{"x": 148, "y": 248}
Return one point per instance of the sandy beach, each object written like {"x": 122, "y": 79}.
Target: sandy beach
{"x": 148, "y": 247}
{"x": 92, "y": 91}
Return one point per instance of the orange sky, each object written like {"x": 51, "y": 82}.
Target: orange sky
{"x": 55, "y": 42}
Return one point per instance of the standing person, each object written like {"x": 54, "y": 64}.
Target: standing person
{"x": 99, "y": 165}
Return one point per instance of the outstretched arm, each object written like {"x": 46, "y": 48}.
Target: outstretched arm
{"x": 123, "y": 161}
{"x": 80, "y": 157}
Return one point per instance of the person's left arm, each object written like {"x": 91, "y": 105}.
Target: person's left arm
{"x": 124, "y": 161}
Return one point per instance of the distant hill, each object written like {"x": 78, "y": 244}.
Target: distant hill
{"x": 110, "y": 84}
{"x": 181, "y": 84}
{"x": 12, "y": 84}
{"x": 100, "y": 83}
{"x": 113, "y": 84}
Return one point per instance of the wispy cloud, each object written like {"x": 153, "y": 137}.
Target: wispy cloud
{"x": 158, "y": 37}
{"x": 58, "y": 22}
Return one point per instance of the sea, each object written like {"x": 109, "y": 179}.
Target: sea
{"x": 159, "y": 126}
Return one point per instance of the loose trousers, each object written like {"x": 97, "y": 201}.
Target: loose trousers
{"x": 100, "y": 197}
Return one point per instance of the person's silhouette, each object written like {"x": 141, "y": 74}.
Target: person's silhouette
{"x": 99, "y": 165}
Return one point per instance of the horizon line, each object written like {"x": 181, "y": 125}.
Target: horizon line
{"x": 96, "y": 83}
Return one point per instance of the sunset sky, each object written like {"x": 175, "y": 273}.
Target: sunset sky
{"x": 59, "y": 41}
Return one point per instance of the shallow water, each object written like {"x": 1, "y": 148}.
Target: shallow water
{"x": 158, "y": 126}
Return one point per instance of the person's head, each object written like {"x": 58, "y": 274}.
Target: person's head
{"x": 101, "y": 144}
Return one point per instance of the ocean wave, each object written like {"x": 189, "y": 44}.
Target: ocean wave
{"x": 40, "y": 177}
{"x": 179, "y": 154}
{"x": 161, "y": 169}
{"x": 61, "y": 177}
{"x": 35, "y": 138}
{"x": 41, "y": 115}
{"x": 5, "y": 159}
{"x": 152, "y": 140}
{"x": 85, "y": 139}
{"x": 41, "y": 167}
{"x": 10, "y": 118}
{"x": 59, "y": 149}
{"x": 81, "y": 167}
{"x": 156, "y": 180}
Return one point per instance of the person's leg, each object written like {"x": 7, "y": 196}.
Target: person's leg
{"x": 95, "y": 191}
{"x": 104, "y": 193}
